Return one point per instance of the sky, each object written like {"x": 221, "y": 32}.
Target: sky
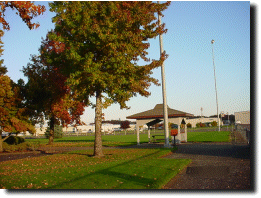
{"x": 189, "y": 71}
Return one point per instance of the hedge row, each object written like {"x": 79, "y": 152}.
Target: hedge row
{"x": 25, "y": 146}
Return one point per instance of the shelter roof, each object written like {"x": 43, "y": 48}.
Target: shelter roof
{"x": 157, "y": 112}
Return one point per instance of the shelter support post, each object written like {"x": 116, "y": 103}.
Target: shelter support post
{"x": 185, "y": 135}
{"x": 149, "y": 134}
{"x": 178, "y": 137}
{"x": 138, "y": 133}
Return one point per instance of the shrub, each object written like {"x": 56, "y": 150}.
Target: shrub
{"x": 14, "y": 140}
{"x": 21, "y": 147}
{"x": 214, "y": 123}
{"x": 189, "y": 125}
{"x": 58, "y": 132}
{"x": 32, "y": 146}
{"x": 198, "y": 125}
{"x": 10, "y": 148}
{"x": 202, "y": 124}
{"x": 5, "y": 145}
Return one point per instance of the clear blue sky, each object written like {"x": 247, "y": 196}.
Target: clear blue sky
{"x": 189, "y": 68}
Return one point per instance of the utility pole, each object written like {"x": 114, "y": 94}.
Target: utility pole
{"x": 165, "y": 107}
{"x": 212, "y": 42}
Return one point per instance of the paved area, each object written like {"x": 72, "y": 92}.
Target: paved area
{"x": 214, "y": 166}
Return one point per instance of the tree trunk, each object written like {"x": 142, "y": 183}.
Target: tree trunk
{"x": 1, "y": 142}
{"x": 51, "y": 135}
{"x": 98, "y": 123}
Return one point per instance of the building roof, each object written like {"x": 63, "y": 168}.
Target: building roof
{"x": 157, "y": 112}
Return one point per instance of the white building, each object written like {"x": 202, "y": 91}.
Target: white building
{"x": 194, "y": 121}
{"x": 242, "y": 117}
{"x": 81, "y": 129}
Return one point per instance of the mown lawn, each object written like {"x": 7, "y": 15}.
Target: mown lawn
{"x": 119, "y": 169}
{"x": 215, "y": 136}
{"x": 107, "y": 140}
{"x": 131, "y": 139}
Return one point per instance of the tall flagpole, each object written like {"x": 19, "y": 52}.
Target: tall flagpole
{"x": 212, "y": 42}
{"x": 165, "y": 107}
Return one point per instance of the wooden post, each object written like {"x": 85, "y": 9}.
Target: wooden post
{"x": 149, "y": 134}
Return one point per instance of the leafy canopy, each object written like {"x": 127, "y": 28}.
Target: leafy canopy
{"x": 13, "y": 115}
{"x": 98, "y": 45}
{"x": 48, "y": 96}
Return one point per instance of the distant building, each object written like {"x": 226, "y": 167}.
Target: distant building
{"x": 204, "y": 120}
{"x": 242, "y": 117}
{"x": 242, "y": 121}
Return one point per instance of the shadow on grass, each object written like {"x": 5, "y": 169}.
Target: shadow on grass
{"x": 111, "y": 171}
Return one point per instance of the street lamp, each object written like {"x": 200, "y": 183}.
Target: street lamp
{"x": 165, "y": 108}
{"x": 212, "y": 42}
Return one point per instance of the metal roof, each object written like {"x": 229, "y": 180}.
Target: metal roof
{"x": 157, "y": 112}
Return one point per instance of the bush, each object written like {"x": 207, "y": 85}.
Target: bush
{"x": 214, "y": 123}
{"x": 14, "y": 140}
{"x": 9, "y": 147}
{"x": 32, "y": 146}
{"x": 202, "y": 124}
{"x": 22, "y": 147}
{"x": 189, "y": 125}
{"x": 25, "y": 146}
{"x": 58, "y": 132}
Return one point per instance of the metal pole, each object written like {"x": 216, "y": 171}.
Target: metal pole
{"x": 212, "y": 42}
{"x": 165, "y": 107}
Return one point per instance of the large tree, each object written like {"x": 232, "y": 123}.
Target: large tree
{"x": 103, "y": 42}
{"x": 48, "y": 97}
{"x": 13, "y": 114}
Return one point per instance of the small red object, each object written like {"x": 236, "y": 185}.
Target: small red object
{"x": 174, "y": 132}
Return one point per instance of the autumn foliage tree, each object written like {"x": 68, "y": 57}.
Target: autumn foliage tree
{"x": 27, "y": 10}
{"x": 13, "y": 113}
{"x": 103, "y": 42}
{"x": 125, "y": 124}
{"x": 48, "y": 97}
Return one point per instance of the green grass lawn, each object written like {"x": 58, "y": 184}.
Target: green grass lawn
{"x": 119, "y": 169}
{"x": 107, "y": 140}
{"x": 215, "y": 136}
{"x": 131, "y": 139}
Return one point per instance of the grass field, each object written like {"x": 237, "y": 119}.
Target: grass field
{"x": 215, "y": 136}
{"x": 119, "y": 169}
{"x": 108, "y": 140}
{"x": 131, "y": 139}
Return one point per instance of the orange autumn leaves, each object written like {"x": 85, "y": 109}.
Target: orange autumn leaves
{"x": 12, "y": 117}
{"x": 25, "y": 9}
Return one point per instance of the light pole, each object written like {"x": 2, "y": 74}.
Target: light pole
{"x": 165, "y": 108}
{"x": 212, "y": 42}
